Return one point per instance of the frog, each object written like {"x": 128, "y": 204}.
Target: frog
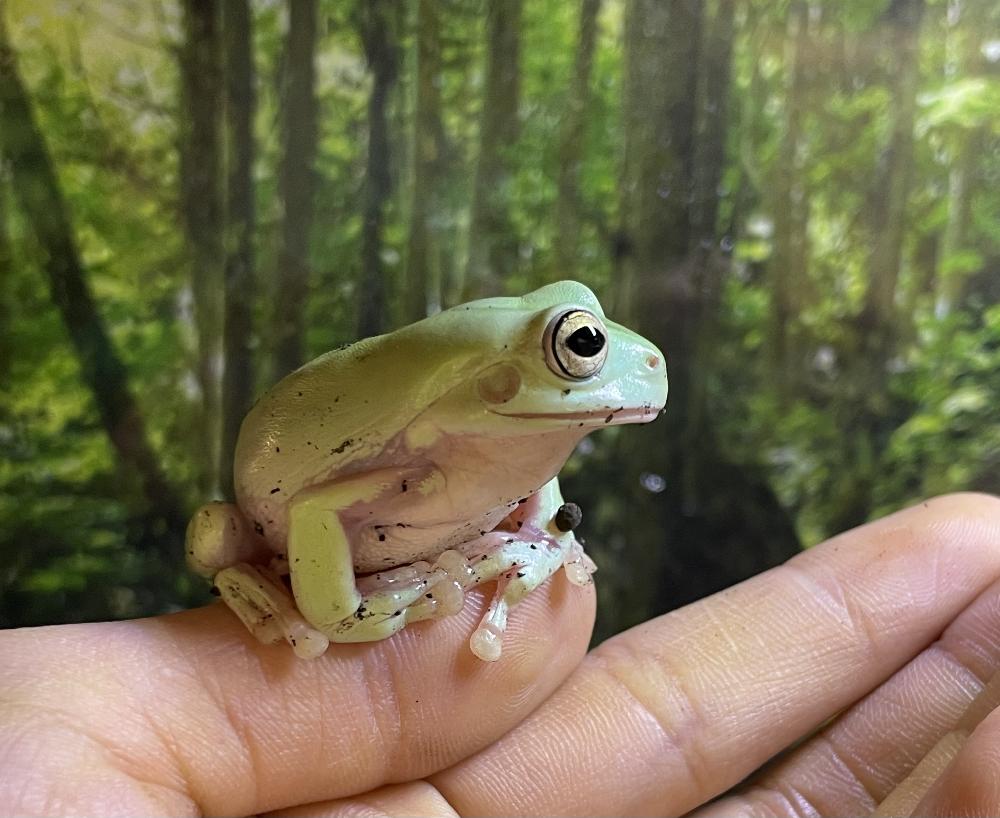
{"x": 379, "y": 483}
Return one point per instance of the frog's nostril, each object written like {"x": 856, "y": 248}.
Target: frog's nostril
{"x": 652, "y": 361}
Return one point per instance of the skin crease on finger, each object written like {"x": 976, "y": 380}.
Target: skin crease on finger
{"x": 187, "y": 713}
{"x": 678, "y": 710}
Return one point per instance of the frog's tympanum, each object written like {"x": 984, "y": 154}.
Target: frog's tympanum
{"x": 377, "y": 483}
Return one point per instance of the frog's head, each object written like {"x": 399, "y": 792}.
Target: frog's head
{"x": 547, "y": 361}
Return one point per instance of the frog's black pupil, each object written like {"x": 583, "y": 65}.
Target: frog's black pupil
{"x": 586, "y": 342}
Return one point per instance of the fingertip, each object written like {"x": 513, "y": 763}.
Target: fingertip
{"x": 941, "y": 544}
{"x": 978, "y": 503}
{"x": 965, "y": 515}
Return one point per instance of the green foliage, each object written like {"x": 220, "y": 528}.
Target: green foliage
{"x": 104, "y": 81}
{"x": 967, "y": 102}
{"x": 952, "y": 438}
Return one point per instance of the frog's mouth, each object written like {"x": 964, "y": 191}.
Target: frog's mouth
{"x": 640, "y": 414}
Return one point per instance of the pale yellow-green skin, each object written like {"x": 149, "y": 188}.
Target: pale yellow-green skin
{"x": 387, "y": 477}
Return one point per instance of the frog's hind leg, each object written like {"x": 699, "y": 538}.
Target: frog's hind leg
{"x": 219, "y": 536}
{"x": 260, "y": 600}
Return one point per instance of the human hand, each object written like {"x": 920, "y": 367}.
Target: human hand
{"x": 185, "y": 713}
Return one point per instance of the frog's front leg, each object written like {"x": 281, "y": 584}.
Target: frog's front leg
{"x": 321, "y": 565}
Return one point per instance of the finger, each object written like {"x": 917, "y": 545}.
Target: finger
{"x": 858, "y": 761}
{"x": 668, "y": 715}
{"x": 206, "y": 718}
{"x": 970, "y": 786}
{"x": 418, "y": 799}
{"x": 906, "y": 797}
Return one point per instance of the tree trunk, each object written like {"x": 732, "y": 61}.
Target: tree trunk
{"x": 659, "y": 119}
{"x": 751, "y": 133}
{"x": 713, "y": 118}
{"x": 423, "y": 272}
{"x": 297, "y": 185}
{"x": 790, "y": 209}
{"x": 892, "y": 181}
{"x": 707, "y": 259}
{"x": 34, "y": 182}
{"x": 863, "y": 403}
{"x": 955, "y": 242}
{"x": 716, "y": 522}
{"x": 382, "y": 54}
{"x": 201, "y": 202}
{"x": 571, "y": 143}
{"x": 238, "y": 383}
{"x": 493, "y": 245}
{"x": 6, "y": 268}
{"x": 971, "y": 144}
{"x": 462, "y": 39}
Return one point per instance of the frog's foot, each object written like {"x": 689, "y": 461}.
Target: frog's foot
{"x": 392, "y": 599}
{"x": 259, "y": 598}
{"x": 519, "y": 565}
{"x": 515, "y": 583}
{"x": 519, "y": 562}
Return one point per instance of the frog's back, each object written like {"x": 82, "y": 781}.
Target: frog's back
{"x": 308, "y": 428}
{"x": 339, "y": 414}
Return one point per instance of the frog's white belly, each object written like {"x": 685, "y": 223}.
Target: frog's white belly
{"x": 404, "y": 531}
{"x": 385, "y": 546}
{"x": 470, "y": 487}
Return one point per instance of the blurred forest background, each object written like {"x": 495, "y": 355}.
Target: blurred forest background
{"x": 799, "y": 201}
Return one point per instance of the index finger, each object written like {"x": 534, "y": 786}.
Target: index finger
{"x": 676, "y": 711}
{"x": 188, "y": 713}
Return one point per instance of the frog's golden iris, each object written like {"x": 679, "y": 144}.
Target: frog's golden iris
{"x": 576, "y": 344}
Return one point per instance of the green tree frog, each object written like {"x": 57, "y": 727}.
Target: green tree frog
{"x": 380, "y": 481}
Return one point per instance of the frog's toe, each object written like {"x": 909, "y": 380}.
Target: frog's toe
{"x": 578, "y": 566}
{"x": 306, "y": 641}
{"x": 520, "y": 562}
{"x": 487, "y": 640}
{"x": 259, "y": 599}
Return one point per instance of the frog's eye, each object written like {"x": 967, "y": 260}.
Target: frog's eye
{"x": 576, "y": 344}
